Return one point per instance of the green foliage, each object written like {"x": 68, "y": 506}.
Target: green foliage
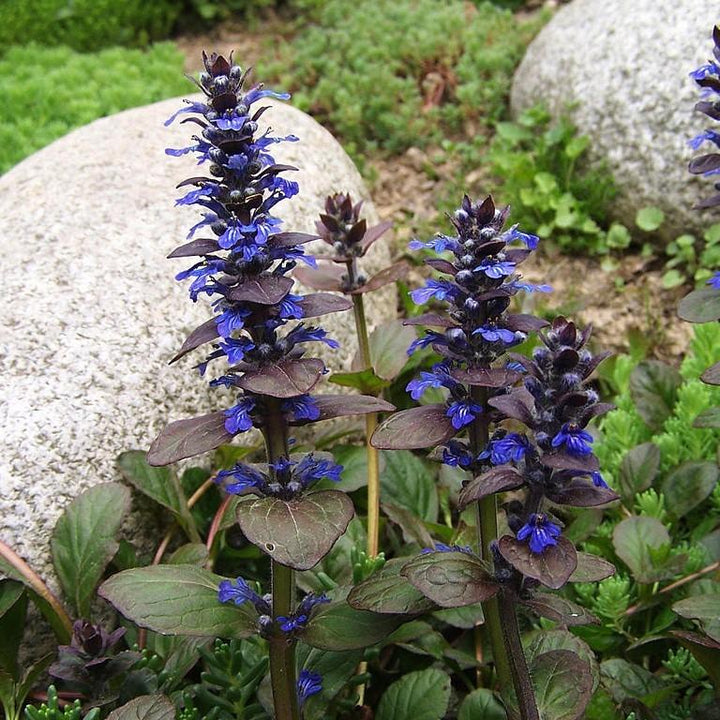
{"x": 86, "y": 25}
{"x": 692, "y": 259}
{"x": 388, "y": 75}
{"x": 542, "y": 175}
{"x": 51, "y": 710}
{"x": 49, "y": 91}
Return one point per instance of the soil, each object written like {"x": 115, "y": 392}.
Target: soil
{"x": 626, "y": 303}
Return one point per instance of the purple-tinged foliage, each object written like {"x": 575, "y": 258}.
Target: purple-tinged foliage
{"x": 707, "y": 77}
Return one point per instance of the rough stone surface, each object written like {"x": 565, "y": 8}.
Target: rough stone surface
{"x": 625, "y": 66}
{"x": 92, "y": 313}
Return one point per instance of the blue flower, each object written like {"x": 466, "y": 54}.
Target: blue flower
{"x": 440, "y": 289}
{"x": 440, "y": 243}
{"x": 238, "y": 416}
{"x": 239, "y": 592}
{"x": 308, "y": 683}
{"x": 231, "y": 319}
{"x": 706, "y": 135}
{"x": 529, "y": 287}
{"x": 510, "y": 448}
{"x": 495, "y": 269}
{"x": 311, "y": 469}
{"x": 235, "y": 349}
{"x": 714, "y": 281}
{"x": 530, "y": 241}
{"x": 456, "y": 454}
{"x": 289, "y": 307}
{"x": 302, "y": 407}
{"x": 491, "y": 333}
{"x": 598, "y": 480}
{"x": 429, "y": 338}
{"x": 438, "y": 377}
{"x": 299, "y": 618}
{"x": 575, "y": 440}
{"x": 463, "y": 412}
{"x": 540, "y": 532}
{"x": 704, "y": 71}
{"x": 244, "y": 477}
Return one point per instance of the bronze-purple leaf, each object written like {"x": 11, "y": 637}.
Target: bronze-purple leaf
{"x": 565, "y": 461}
{"x": 580, "y": 493}
{"x": 552, "y": 567}
{"x": 317, "y": 304}
{"x": 486, "y": 377}
{"x": 704, "y": 163}
{"x": 493, "y": 481}
{"x": 296, "y": 533}
{"x": 325, "y": 277}
{"x": 285, "y": 379}
{"x": 559, "y": 610}
{"x": 591, "y": 568}
{"x": 356, "y": 233}
{"x": 388, "y": 592}
{"x": 331, "y": 406}
{"x": 263, "y": 290}
{"x": 286, "y": 239}
{"x": 442, "y": 266}
{"x": 700, "y": 306}
{"x": 518, "y": 405}
{"x": 525, "y": 323}
{"x": 201, "y": 246}
{"x": 384, "y": 277}
{"x": 373, "y": 233}
{"x": 419, "y": 427}
{"x": 431, "y": 319}
{"x": 711, "y": 376}
{"x": 450, "y": 579}
{"x": 199, "y": 336}
{"x": 187, "y": 438}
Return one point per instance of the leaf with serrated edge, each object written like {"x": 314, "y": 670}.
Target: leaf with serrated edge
{"x": 145, "y": 707}
{"x": 287, "y": 378}
{"x": 186, "y": 438}
{"x": 591, "y": 568}
{"x": 552, "y": 567}
{"x": 419, "y": 427}
{"x": 84, "y": 540}
{"x": 297, "y": 533}
{"x": 178, "y": 600}
{"x": 496, "y": 480}
{"x": 559, "y": 610}
{"x": 387, "y": 592}
{"x": 450, "y": 579}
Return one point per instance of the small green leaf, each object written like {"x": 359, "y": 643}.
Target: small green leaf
{"x": 687, "y": 486}
{"x": 299, "y": 532}
{"x": 638, "y": 469}
{"x": 699, "y": 607}
{"x": 13, "y": 609}
{"x": 366, "y": 381}
{"x": 189, "y": 554}
{"x": 408, "y": 482}
{"x": 145, "y": 707}
{"x": 634, "y": 539}
{"x": 83, "y": 541}
{"x": 653, "y": 387}
{"x": 545, "y": 182}
{"x": 421, "y": 695}
{"x": 649, "y": 218}
{"x": 672, "y": 279}
{"x": 481, "y": 704}
{"x": 178, "y": 600}
{"x": 159, "y": 484}
{"x": 626, "y": 680}
{"x": 388, "y": 348}
{"x": 577, "y": 146}
{"x": 338, "y": 626}
{"x": 618, "y": 236}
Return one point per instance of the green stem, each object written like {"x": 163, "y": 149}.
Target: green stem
{"x": 487, "y": 532}
{"x": 518, "y": 665}
{"x": 371, "y": 421}
{"x": 282, "y": 648}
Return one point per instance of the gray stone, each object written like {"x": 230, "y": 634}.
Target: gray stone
{"x": 625, "y": 65}
{"x": 92, "y": 313}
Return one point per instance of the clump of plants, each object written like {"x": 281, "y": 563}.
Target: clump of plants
{"x": 76, "y": 89}
{"x": 450, "y": 64}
